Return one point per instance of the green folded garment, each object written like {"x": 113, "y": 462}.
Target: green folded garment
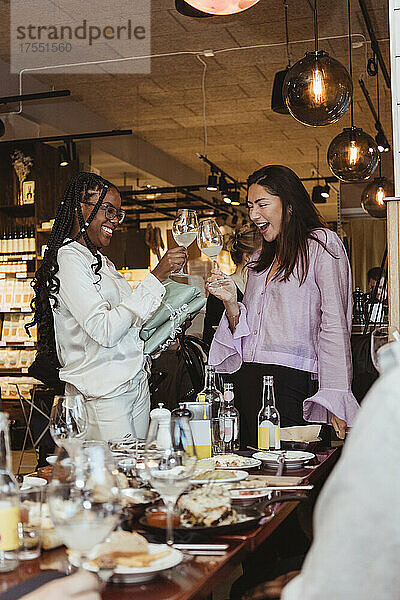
{"x": 180, "y": 301}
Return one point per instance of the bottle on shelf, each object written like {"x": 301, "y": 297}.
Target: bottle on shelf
{"x": 210, "y": 393}
{"x": 8, "y": 241}
{"x": 9, "y": 503}
{"x": 20, "y": 243}
{"x": 269, "y": 421}
{"x": 229, "y": 420}
{"x": 31, "y": 240}
{"x": 3, "y": 242}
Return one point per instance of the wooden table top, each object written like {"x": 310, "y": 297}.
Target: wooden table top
{"x": 196, "y": 576}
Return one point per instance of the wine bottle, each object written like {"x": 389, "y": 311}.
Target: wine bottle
{"x": 211, "y": 394}
{"x": 269, "y": 421}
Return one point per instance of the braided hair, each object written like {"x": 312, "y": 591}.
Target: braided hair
{"x": 46, "y": 284}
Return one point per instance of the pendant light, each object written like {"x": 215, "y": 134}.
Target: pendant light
{"x": 221, "y": 7}
{"x": 188, "y": 11}
{"x": 317, "y": 89}
{"x": 353, "y": 154}
{"x": 373, "y": 196}
{"x": 278, "y": 103}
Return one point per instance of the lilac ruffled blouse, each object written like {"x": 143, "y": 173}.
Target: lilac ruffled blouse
{"x": 305, "y": 327}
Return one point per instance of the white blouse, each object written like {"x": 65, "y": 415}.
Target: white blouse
{"x": 97, "y": 323}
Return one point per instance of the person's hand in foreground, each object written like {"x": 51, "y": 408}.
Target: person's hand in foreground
{"x": 80, "y": 586}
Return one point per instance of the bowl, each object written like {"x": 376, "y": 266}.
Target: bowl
{"x": 135, "y": 501}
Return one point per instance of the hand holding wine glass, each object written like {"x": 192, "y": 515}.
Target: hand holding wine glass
{"x": 184, "y": 230}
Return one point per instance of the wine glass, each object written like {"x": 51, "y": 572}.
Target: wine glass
{"x": 68, "y": 421}
{"x": 379, "y": 338}
{"x": 210, "y": 241}
{"x": 83, "y": 499}
{"x": 170, "y": 459}
{"x": 184, "y": 230}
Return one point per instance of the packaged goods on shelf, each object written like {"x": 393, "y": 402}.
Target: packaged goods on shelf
{"x": 14, "y": 328}
{"x": 9, "y": 390}
{"x": 9, "y": 293}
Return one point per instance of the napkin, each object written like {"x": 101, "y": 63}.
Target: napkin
{"x": 302, "y": 433}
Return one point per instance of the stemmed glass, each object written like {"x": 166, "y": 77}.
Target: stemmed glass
{"x": 184, "y": 230}
{"x": 68, "y": 421}
{"x": 170, "y": 459}
{"x": 379, "y": 338}
{"x": 83, "y": 498}
{"x": 210, "y": 241}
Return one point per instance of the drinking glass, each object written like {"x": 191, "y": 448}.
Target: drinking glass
{"x": 379, "y": 338}
{"x": 184, "y": 230}
{"x": 30, "y": 526}
{"x": 83, "y": 499}
{"x": 68, "y": 421}
{"x": 170, "y": 460}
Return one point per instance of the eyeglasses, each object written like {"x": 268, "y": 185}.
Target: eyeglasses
{"x": 110, "y": 211}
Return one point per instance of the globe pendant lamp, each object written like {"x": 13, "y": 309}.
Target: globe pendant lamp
{"x": 373, "y": 197}
{"x": 188, "y": 11}
{"x": 353, "y": 154}
{"x": 317, "y": 89}
{"x": 221, "y": 7}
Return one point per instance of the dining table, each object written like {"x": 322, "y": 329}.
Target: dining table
{"x": 197, "y": 576}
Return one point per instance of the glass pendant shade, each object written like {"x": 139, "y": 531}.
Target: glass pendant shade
{"x": 317, "y": 89}
{"x": 221, "y": 7}
{"x": 188, "y": 11}
{"x": 353, "y": 155}
{"x": 373, "y": 197}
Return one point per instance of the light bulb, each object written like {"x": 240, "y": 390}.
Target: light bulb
{"x": 380, "y": 195}
{"x": 353, "y": 153}
{"x": 318, "y": 87}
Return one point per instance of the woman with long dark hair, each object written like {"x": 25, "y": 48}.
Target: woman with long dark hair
{"x": 295, "y": 319}
{"x": 88, "y": 316}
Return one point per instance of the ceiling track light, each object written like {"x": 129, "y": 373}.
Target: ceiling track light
{"x": 212, "y": 182}
{"x": 317, "y": 89}
{"x": 67, "y": 153}
{"x": 380, "y": 137}
{"x": 325, "y": 190}
{"x": 318, "y": 194}
{"x": 76, "y": 136}
{"x": 353, "y": 154}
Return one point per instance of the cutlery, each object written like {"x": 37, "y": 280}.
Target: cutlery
{"x": 202, "y": 547}
{"x": 279, "y": 488}
{"x": 281, "y": 463}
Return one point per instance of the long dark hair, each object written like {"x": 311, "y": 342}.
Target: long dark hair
{"x": 299, "y": 219}
{"x": 46, "y": 283}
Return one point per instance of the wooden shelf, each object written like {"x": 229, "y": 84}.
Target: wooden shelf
{"x": 41, "y": 230}
{"x": 14, "y": 210}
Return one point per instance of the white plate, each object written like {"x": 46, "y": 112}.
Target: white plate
{"x": 33, "y": 482}
{"x": 293, "y": 458}
{"x": 248, "y": 497}
{"x": 51, "y": 459}
{"x": 138, "y": 575}
{"x": 248, "y": 463}
{"x": 239, "y": 476}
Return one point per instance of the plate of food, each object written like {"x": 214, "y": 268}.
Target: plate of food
{"x": 217, "y": 476}
{"x": 229, "y": 461}
{"x": 137, "y": 560}
{"x": 294, "y": 459}
{"x": 205, "y": 510}
{"x": 247, "y": 497}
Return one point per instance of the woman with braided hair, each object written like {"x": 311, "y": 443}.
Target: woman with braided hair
{"x": 88, "y": 316}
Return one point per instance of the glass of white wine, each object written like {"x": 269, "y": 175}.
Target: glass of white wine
{"x": 184, "y": 230}
{"x": 210, "y": 239}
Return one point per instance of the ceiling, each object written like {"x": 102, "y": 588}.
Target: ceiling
{"x": 165, "y": 106}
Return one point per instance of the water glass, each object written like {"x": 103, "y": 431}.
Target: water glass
{"x": 30, "y": 526}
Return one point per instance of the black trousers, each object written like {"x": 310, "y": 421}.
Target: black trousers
{"x": 291, "y": 387}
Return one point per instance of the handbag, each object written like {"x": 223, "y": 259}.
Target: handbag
{"x": 180, "y": 302}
